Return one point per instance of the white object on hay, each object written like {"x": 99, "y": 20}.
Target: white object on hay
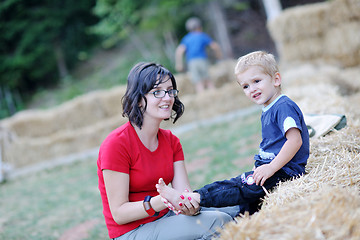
{"x": 322, "y": 124}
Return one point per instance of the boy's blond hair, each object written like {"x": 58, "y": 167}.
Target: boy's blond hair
{"x": 260, "y": 59}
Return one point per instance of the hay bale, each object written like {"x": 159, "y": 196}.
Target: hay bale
{"x": 343, "y": 43}
{"x": 31, "y": 123}
{"x": 25, "y": 151}
{"x": 211, "y": 103}
{"x": 327, "y": 31}
{"x": 329, "y": 213}
{"x": 77, "y": 113}
{"x": 318, "y": 99}
{"x": 223, "y": 72}
{"x": 306, "y": 49}
{"x": 184, "y": 84}
{"x": 348, "y": 82}
{"x": 299, "y": 23}
{"x": 220, "y": 73}
{"x": 314, "y": 88}
{"x": 295, "y": 75}
{"x": 341, "y": 11}
{"x": 35, "y": 136}
{"x": 321, "y": 89}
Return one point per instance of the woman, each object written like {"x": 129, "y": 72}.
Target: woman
{"x": 134, "y": 156}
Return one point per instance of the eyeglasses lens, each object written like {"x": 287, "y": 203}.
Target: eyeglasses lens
{"x": 162, "y": 93}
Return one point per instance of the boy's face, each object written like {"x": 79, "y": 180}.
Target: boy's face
{"x": 258, "y": 86}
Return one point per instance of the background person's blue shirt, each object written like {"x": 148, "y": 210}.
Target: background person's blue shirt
{"x": 196, "y": 44}
{"x": 278, "y": 117}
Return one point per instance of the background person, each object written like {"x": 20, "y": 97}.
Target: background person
{"x": 194, "y": 45}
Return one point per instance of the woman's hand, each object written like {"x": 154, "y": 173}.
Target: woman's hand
{"x": 178, "y": 202}
{"x": 189, "y": 205}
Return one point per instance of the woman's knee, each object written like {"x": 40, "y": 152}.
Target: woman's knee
{"x": 216, "y": 218}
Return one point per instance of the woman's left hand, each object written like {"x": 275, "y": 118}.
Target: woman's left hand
{"x": 189, "y": 206}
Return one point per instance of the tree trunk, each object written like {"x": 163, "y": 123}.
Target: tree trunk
{"x": 60, "y": 60}
{"x": 170, "y": 46}
{"x": 217, "y": 19}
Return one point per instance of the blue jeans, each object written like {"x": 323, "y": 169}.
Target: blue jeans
{"x": 240, "y": 190}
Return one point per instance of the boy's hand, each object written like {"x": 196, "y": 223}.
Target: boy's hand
{"x": 262, "y": 173}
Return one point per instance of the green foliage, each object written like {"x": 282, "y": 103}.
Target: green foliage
{"x": 106, "y": 72}
{"x": 31, "y": 31}
{"x": 10, "y": 102}
{"x": 241, "y": 6}
{"x": 117, "y": 18}
{"x": 120, "y": 19}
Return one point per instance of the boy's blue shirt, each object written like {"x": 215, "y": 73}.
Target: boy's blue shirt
{"x": 196, "y": 43}
{"x": 278, "y": 117}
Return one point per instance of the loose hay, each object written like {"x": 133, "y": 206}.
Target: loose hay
{"x": 329, "y": 213}
{"x": 322, "y": 204}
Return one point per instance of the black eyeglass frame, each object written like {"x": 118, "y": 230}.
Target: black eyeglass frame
{"x": 171, "y": 93}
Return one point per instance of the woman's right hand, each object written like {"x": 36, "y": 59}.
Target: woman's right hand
{"x": 189, "y": 206}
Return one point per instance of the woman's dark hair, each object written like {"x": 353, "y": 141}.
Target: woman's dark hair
{"x": 141, "y": 79}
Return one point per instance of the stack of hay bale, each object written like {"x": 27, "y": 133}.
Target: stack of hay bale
{"x": 322, "y": 32}
{"x": 35, "y": 136}
{"x": 322, "y": 78}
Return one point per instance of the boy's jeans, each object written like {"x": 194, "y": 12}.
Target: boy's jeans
{"x": 240, "y": 190}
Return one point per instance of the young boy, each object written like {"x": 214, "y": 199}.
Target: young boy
{"x": 284, "y": 148}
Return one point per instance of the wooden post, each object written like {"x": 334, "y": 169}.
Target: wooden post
{"x": 272, "y": 8}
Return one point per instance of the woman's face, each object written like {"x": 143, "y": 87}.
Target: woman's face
{"x": 159, "y": 108}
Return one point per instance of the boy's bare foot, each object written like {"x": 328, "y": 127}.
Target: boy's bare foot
{"x": 170, "y": 194}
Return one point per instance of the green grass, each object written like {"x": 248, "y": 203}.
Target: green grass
{"x": 224, "y": 149}
{"x": 45, "y": 205}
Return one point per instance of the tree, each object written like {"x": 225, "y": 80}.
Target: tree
{"x": 41, "y": 39}
{"x": 218, "y": 20}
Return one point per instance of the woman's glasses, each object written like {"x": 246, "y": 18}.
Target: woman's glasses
{"x": 162, "y": 93}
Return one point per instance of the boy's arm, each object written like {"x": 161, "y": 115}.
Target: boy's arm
{"x": 287, "y": 152}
